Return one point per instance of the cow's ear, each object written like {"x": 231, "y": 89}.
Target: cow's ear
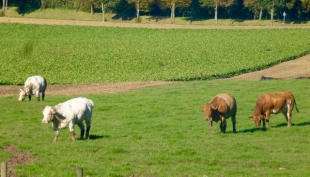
{"x": 213, "y": 107}
{"x": 53, "y": 111}
{"x": 20, "y": 89}
{"x": 251, "y": 117}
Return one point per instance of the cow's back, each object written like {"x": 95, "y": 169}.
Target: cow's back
{"x": 273, "y": 101}
{"x": 226, "y": 100}
{"x": 77, "y": 107}
{"x": 36, "y": 83}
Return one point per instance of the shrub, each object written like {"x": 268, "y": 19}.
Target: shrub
{"x": 138, "y": 20}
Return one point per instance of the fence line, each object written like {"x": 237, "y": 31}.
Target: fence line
{"x": 4, "y": 169}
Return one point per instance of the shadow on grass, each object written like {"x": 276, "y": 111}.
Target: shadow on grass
{"x": 299, "y": 125}
{"x": 252, "y": 130}
{"x": 94, "y": 137}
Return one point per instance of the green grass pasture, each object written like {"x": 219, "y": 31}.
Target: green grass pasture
{"x": 81, "y": 54}
{"x": 160, "y": 131}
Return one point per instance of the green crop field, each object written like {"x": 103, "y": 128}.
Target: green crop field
{"x": 161, "y": 131}
{"x": 80, "y": 54}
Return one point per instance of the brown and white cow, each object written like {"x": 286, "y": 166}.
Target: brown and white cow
{"x": 273, "y": 103}
{"x": 220, "y": 108}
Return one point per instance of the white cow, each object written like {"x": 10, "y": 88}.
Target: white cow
{"x": 69, "y": 113}
{"x": 34, "y": 85}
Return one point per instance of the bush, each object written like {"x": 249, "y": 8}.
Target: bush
{"x": 2, "y": 14}
{"x": 138, "y": 20}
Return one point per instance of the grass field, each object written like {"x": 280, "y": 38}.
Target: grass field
{"x": 160, "y": 131}
{"x": 81, "y": 54}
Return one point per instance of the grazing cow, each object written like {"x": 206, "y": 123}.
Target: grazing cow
{"x": 274, "y": 103}
{"x": 69, "y": 113}
{"x": 34, "y": 85}
{"x": 221, "y": 108}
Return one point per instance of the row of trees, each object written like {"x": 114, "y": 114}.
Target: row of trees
{"x": 238, "y": 9}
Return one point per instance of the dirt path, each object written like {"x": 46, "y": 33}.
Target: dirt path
{"x": 136, "y": 25}
{"x": 287, "y": 70}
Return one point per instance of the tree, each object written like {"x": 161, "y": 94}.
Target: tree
{"x": 216, "y": 4}
{"x": 4, "y": 5}
{"x": 255, "y": 6}
{"x": 274, "y": 5}
{"x": 143, "y": 5}
{"x": 173, "y": 4}
{"x": 106, "y": 4}
{"x": 305, "y": 6}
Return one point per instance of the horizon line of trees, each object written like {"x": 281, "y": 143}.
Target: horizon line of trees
{"x": 297, "y": 10}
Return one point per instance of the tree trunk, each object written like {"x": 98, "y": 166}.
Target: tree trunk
{"x": 172, "y": 12}
{"x": 138, "y": 12}
{"x": 138, "y": 9}
{"x": 4, "y": 5}
{"x": 260, "y": 13}
{"x": 271, "y": 15}
{"x": 102, "y": 9}
{"x": 215, "y": 14}
{"x": 92, "y": 9}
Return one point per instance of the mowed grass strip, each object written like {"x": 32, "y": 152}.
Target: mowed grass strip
{"x": 161, "y": 131}
{"x": 81, "y": 54}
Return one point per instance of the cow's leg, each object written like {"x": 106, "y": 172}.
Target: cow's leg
{"x": 29, "y": 96}
{"x": 233, "y": 121}
{"x": 87, "y": 132}
{"x": 267, "y": 117}
{"x": 223, "y": 125}
{"x": 88, "y": 125}
{"x": 264, "y": 123}
{"x": 56, "y": 136}
{"x": 81, "y": 125}
{"x": 37, "y": 93}
{"x": 71, "y": 128}
{"x": 211, "y": 125}
{"x": 288, "y": 115}
{"x": 43, "y": 95}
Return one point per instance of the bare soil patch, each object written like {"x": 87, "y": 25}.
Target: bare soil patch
{"x": 298, "y": 68}
{"x": 18, "y": 158}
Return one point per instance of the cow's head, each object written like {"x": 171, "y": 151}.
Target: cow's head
{"x": 208, "y": 108}
{"x": 48, "y": 114}
{"x": 22, "y": 95}
{"x": 257, "y": 119}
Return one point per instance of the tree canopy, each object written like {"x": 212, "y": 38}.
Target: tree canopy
{"x": 201, "y": 9}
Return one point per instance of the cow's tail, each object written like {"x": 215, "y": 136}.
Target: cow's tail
{"x": 296, "y": 105}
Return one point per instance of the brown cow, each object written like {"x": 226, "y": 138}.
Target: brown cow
{"x": 221, "y": 107}
{"x": 274, "y": 103}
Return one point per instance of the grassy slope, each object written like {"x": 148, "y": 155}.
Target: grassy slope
{"x": 160, "y": 131}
